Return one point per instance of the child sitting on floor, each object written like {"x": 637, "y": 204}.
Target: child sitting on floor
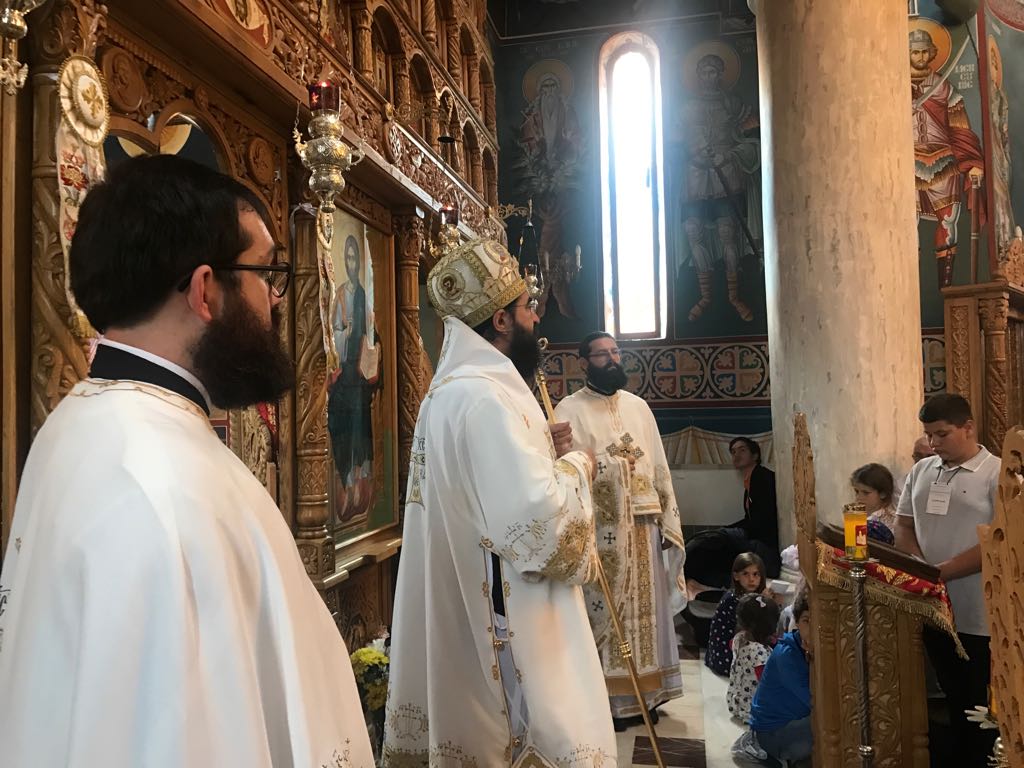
{"x": 757, "y": 618}
{"x": 780, "y": 714}
{"x": 748, "y": 576}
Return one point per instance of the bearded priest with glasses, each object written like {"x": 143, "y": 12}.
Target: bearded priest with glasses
{"x": 154, "y": 609}
{"x": 492, "y": 658}
{"x": 639, "y": 532}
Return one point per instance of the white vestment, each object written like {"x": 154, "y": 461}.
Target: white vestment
{"x": 469, "y": 687}
{"x": 634, "y": 511}
{"x": 156, "y": 612}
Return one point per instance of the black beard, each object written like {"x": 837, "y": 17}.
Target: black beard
{"x": 524, "y": 352}
{"x": 240, "y": 362}
{"x": 607, "y": 380}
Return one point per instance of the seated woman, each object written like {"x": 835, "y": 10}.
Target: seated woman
{"x": 873, "y": 487}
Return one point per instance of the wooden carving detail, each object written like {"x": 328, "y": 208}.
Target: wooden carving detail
{"x": 313, "y": 463}
{"x": 1002, "y": 552}
{"x": 58, "y": 360}
{"x": 409, "y": 230}
{"x": 959, "y": 373}
{"x": 363, "y": 604}
{"x": 899, "y": 721}
{"x": 994, "y": 313}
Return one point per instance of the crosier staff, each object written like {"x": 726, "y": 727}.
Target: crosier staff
{"x": 620, "y": 635}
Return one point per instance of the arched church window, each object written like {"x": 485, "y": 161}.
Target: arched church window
{"x": 633, "y": 225}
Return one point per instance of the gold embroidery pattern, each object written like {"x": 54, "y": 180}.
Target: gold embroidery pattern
{"x": 340, "y": 761}
{"x": 642, "y": 485}
{"x": 645, "y": 602}
{"x": 417, "y": 470}
{"x": 603, "y": 492}
{"x": 570, "y": 553}
{"x": 407, "y": 721}
{"x": 563, "y": 467}
{"x": 586, "y": 757}
{"x": 400, "y": 758}
{"x": 451, "y": 755}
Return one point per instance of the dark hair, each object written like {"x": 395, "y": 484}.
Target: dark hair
{"x": 487, "y": 329}
{"x": 355, "y": 245}
{"x": 142, "y": 230}
{"x": 742, "y": 562}
{"x": 802, "y": 604}
{"x": 945, "y": 407}
{"x": 758, "y": 616}
{"x": 589, "y": 339}
{"x": 877, "y": 477}
{"x": 751, "y": 444}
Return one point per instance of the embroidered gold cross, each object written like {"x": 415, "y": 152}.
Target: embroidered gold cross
{"x": 625, "y": 448}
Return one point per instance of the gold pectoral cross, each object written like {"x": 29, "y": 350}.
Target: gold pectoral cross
{"x": 625, "y": 448}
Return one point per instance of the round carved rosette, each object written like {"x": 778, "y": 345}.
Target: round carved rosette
{"x": 83, "y": 100}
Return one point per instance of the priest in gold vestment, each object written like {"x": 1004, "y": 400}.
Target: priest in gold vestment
{"x": 493, "y": 661}
{"x": 639, "y": 532}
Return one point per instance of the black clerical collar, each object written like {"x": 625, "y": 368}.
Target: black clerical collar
{"x": 598, "y": 391}
{"x": 115, "y": 363}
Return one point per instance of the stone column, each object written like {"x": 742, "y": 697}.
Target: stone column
{"x": 840, "y": 239}
{"x": 409, "y": 229}
{"x": 363, "y": 44}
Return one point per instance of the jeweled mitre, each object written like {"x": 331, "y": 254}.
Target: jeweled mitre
{"x": 474, "y": 280}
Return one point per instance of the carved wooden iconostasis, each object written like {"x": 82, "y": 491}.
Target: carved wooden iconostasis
{"x": 219, "y": 82}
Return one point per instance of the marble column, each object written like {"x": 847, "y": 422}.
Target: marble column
{"x": 840, "y": 239}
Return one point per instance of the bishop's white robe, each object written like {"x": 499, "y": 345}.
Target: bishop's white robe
{"x": 469, "y": 687}
{"x": 155, "y": 610}
{"x": 635, "y": 509}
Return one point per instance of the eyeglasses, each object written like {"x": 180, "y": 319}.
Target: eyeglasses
{"x": 277, "y": 276}
{"x": 605, "y": 354}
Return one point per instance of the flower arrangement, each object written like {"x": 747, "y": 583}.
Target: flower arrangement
{"x": 370, "y": 666}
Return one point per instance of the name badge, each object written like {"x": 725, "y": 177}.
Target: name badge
{"x": 938, "y": 499}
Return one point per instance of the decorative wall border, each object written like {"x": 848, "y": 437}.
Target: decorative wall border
{"x": 708, "y": 373}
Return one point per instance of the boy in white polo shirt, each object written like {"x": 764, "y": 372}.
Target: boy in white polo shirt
{"x": 946, "y": 497}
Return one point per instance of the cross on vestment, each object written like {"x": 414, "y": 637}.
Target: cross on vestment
{"x": 609, "y": 538}
{"x": 626, "y": 449}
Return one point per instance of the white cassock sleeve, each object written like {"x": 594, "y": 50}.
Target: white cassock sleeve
{"x": 112, "y": 626}
{"x": 537, "y": 511}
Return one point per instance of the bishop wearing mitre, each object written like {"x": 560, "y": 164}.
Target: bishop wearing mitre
{"x": 493, "y": 661}
{"x": 639, "y": 534}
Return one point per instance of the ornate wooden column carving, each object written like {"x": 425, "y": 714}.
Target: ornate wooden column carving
{"x": 430, "y": 123}
{"x": 400, "y": 68}
{"x": 477, "y": 171}
{"x": 58, "y": 359}
{"x": 428, "y": 20}
{"x": 454, "y": 49}
{"x": 409, "y": 233}
{"x": 363, "y": 44}
{"x": 473, "y": 83}
{"x": 489, "y": 114}
{"x": 994, "y": 313}
{"x": 313, "y": 459}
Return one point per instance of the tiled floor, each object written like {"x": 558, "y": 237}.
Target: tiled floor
{"x": 695, "y": 731}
